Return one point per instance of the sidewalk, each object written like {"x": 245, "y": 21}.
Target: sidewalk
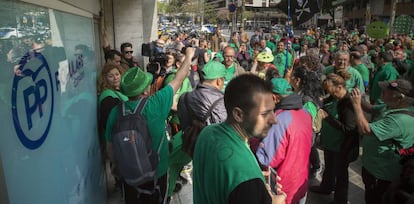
{"x": 355, "y": 195}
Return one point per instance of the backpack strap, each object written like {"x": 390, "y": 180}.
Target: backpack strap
{"x": 210, "y": 110}
{"x": 138, "y": 109}
{"x": 190, "y": 110}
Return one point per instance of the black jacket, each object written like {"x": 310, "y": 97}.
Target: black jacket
{"x": 200, "y": 100}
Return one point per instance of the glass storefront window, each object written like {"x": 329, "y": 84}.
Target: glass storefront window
{"x": 49, "y": 145}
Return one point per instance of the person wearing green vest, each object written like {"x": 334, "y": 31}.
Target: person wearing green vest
{"x": 108, "y": 96}
{"x": 386, "y": 72}
{"x": 280, "y": 58}
{"x": 332, "y": 138}
{"x": 225, "y": 169}
{"x": 384, "y": 137}
{"x": 356, "y": 63}
{"x": 270, "y": 44}
{"x": 135, "y": 84}
{"x": 275, "y": 36}
{"x": 173, "y": 120}
{"x": 234, "y": 41}
{"x": 233, "y": 69}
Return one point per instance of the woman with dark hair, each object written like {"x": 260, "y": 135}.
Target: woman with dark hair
{"x": 306, "y": 83}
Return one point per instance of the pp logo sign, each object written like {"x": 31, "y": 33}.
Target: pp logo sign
{"x": 32, "y": 100}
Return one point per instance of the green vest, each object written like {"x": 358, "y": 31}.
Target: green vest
{"x": 385, "y": 73}
{"x": 112, "y": 93}
{"x": 222, "y": 161}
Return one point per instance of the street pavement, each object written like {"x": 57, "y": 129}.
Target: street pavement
{"x": 355, "y": 194}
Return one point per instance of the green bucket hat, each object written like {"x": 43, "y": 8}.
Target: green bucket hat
{"x": 214, "y": 70}
{"x": 281, "y": 86}
{"x": 135, "y": 81}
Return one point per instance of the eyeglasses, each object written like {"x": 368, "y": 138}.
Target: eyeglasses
{"x": 129, "y": 52}
{"x": 228, "y": 56}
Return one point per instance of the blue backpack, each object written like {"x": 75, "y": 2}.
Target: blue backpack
{"x": 132, "y": 146}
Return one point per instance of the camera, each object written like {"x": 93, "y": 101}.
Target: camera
{"x": 157, "y": 58}
{"x": 196, "y": 52}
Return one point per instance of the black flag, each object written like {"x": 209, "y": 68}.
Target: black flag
{"x": 300, "y": 10}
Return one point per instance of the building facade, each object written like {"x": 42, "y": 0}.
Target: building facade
{"x": 50, "y": 55}
{"x": 357, "y": 13}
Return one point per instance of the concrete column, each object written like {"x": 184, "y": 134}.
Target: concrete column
{"x": 133, "y": 21}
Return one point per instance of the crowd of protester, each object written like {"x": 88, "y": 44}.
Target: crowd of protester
{"x": 275, "y": 100}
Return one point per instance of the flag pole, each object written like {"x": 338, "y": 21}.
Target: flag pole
{"x": 287, "y": 38}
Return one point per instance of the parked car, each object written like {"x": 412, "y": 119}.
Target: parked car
{"x": 10, "y": 33}
{"x": 266, "y": 29}
{"x": 208, "y": 28}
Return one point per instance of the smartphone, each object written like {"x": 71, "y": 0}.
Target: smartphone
{"x": 273, "y": 180}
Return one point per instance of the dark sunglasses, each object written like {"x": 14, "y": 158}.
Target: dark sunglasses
{"x": 129, "y": 52}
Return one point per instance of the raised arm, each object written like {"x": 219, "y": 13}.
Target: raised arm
{"x": 362, "y": 122}
{"x": 183, "y": 70}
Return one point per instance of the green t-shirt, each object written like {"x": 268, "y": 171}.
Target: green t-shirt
{"x": 379, "y": 150}
{"x": 234, "y": 46}
{"x": 219, "y": 56}
{"x": 311, "y": 108}
{"x": 222, "y": 160}
{"x": 363, "y": 70}
{"x": 332, "y": 48}
{"x": 271, "y": 46}
{"x": 385, "y": 73}
{"x": 277, "y": 38}
{"x": 177, "y": 159}
{"x": 229, "y": 74}
{"x": 331, "y": 138}
{"x": 410, "y": 64}
{"x": 296, "y": 47}
{"x": 355, "y": 80}
{"x": 280, "y": 62}
{"x": 155, "y": 111}
{"x": 185, "y": 87}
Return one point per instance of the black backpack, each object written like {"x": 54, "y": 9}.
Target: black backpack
{"x": 190, "y": 134}
{"x": 132, "y": 145}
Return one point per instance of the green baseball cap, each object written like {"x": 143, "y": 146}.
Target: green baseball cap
{"x": 214, "y": 70}
{"x": 281, "y": 86}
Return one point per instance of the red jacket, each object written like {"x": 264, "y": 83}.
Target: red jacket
{"x": 287, "y": 148}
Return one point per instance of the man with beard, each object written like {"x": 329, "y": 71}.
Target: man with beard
{"x": 280, "y": 58}
{"x": 225, "y": 170}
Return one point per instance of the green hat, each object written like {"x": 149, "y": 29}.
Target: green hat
{"x": 281, "y": 86}
{"x": 265, "y": 57}
{"x": 214, "y": 70}
{"x": 135, "y": 81}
